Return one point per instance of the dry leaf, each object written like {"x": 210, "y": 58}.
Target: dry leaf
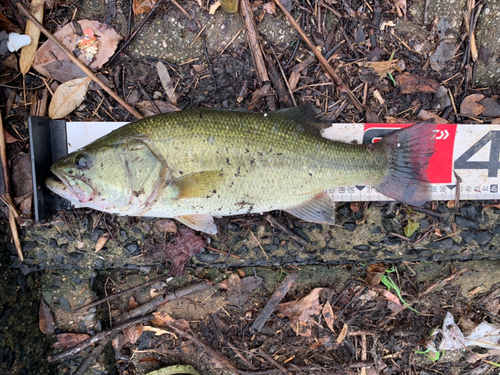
{"x": 401, "y": 8}
{"x": 101, "y": 241}
{"x": 49, "y": 53}
{"x": 470, "y": 105}
{"x": 162, "y": 319}
{"x": 143, "y": 6}
{"x": 68, "y": 96}
{"x": 381, "y": 68}
{"x": 166, "y": 226}
{"x": 409, "y": 83}
{"x": 426, "y": 115}
{"x": 328, "y": 315}
{"x": 157, "y": 331}
{"x": 46, "y": 319}
{"x": 374, "y": 273}
{"x": 28, "y": 52}
{"x": 343, "y": 334}
{"x": 300, "y": 312}
{"x": 213, "y": 7}
{"x": 67, "y": 340}
{"x": 270, "y": 7}
{"x": 147, "y": 108}
{"x": 186, "y": 244}
{"x": 132, "y": 334}
{"x": 132, "y": 303}
{"x": 167, "y": 82}
{"x": 9, "y": 138}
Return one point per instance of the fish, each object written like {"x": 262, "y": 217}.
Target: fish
{"x": 197, "y": 164}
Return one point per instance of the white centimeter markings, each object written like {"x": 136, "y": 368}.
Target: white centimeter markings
{"x": 470, "y": 151}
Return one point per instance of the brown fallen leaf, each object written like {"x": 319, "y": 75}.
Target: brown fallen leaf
{"x": 143, "y": 6}
{"x": 409, "y": 83}
{"x": 46, "y": 318}
{"x": 214, "y": 7}
{"x": 381, "y": 68}
{"x": 147, "y": 108}
{"x": 270, "y": 7}
{"x": 470, "y": 106}
{"x": 49, "y": 53}
{"x": 132, "y": 303}
{"x": 426, "y": 115}
{"x": 167, "y": 82}
{"x": 101, "y": 242}
{"x": 68, "y": 96}
{"x": 64, "y": 71}
{"x": 300, "y": 312}
{"x": 28, "y": 52}
{"x": 343, "y": 333}
{"x": 67, "y": 340}
{"x": 162, "y": 319}
{"x": 9, "y": 138}
{"x": 132, "y": 334}
{"x": 328, "y": 315}
{"x": 238, "y": 290}
{"x": 166, "y": 226}
{"x": 401, "y": 8}
{"x": 186, "y": 244}
{"x": 374, "y": 273}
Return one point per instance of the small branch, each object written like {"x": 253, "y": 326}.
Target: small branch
{"x": 253, "y": 43}
{"x": 275, "y": 299}
{"x": 82, "y": 66}
{"x": 12, "y": 213}
{"x": 100, "y": 336}
{"x": 275, "y": 223}
{"x": 92, "y": 357}
{"x": 320, "y": 57}
{"x": 279, "y": 82}
{"x": 152, "y": 304}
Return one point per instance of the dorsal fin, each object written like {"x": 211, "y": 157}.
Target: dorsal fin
{"x": 304, "y": 114}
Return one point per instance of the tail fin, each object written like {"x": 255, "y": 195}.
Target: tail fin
{"x": 408, "y": 151}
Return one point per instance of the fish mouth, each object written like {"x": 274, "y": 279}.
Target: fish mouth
{"x": 75, "y": 190}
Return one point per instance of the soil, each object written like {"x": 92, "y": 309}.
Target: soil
{"x": 454, "y": 251}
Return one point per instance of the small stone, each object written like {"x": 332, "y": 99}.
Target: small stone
{"x": 270, "y": 247}
{"x": 465, "y": 222}
{"x": 59, "y": 259}
{"x": 53, "y": 243}
{"x": 64, "y": 304}
{"x": 41, "y": 254}
{"x": 132, "y": 249}
{"x": 374, "y": 243}
{"x": 75, "y": 257}
{"x": 76, "y": 280}
{"x": 469, "y": 211}
{"x": 243, "y": 250}
{"x": 482, "y": 238}
{"x": 446, "y": 244}
{"x": 344, "y": 210}
{"x": 96, "y": 234}
{"x": 206, "y": 258}
{"x": 299, "y": 232}
{"x": 362, "y": 248}
{"x": 376, "y": 230}
{"x": 350, "y": 226}
{"x": 467, "y": 236}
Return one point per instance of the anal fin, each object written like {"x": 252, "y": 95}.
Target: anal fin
{"x": 203, "y": 223}
{"x": 319, "y": 209}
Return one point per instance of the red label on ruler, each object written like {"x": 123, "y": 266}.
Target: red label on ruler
{"x": 440, "y": 169}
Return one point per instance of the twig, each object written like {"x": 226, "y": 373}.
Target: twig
{"x": 95, "y": 303}
{"x": 152, "y": 304}
{"x": 178, "y": 6}
{"x": 275, "y": 223}
{"x": 399, "y": 236}
{"x": 84, "y": 68}
{"x": 278, "y": 83}
{"x": 320, "y": 57}
{"x": 275, "y": 299}
{"x": 252, "y": 37}
{"x": 92, "y": 357}
{"x": 100, "y": 336}
{"x": 12, "y": 213}
{"x": 283, "y": 75}
{"x": 428, "y": 212}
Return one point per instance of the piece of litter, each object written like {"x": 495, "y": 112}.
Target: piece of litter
{"x": 17, "y": 41}
{"x": 88, "y": 44}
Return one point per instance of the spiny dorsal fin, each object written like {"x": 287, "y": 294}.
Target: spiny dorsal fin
{"x": 198, "y": 185}
{"x": 319, "y": 209}
{"x": 304, "y": 114}
{"x": 203, "y": 223}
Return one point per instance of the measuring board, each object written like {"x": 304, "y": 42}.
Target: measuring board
{"x": 470, "y": 151}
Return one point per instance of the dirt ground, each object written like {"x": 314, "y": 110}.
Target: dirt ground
{"x": 370, "y": 295}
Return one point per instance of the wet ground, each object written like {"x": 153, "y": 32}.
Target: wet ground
{"x": 209, "y": 56}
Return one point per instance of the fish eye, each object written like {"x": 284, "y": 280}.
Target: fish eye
{"x": 82, "y": 161}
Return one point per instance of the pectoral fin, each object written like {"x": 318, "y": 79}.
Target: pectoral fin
{"x": 198, "y": 185}
{"x": 203, "y": 223}
{"x": 319, "y": 209}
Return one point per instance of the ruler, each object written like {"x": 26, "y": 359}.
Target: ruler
{"x": 471, "y": 152}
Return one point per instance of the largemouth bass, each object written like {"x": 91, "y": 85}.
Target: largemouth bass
{"x": 195, "y": 164}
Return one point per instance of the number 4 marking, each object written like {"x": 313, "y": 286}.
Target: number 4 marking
{"x": 492, "y": 165}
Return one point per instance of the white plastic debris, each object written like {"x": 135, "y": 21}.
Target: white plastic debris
{"x": 485, "y": 335}
{"x": 17, "y": 41}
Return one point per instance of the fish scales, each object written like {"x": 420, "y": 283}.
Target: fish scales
{"x": 195, "y": 164}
